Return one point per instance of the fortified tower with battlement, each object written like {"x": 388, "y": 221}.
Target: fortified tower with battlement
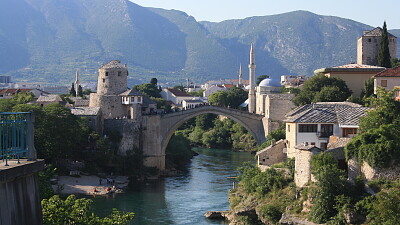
{"x": 112, "y": 81}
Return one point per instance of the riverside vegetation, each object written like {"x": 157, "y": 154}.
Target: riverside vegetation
{"x": 267, "y": 197}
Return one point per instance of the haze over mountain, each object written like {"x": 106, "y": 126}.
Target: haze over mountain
{"x": 46, "y": 41}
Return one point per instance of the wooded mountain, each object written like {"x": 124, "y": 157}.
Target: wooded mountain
{"x": 46, "y": 41}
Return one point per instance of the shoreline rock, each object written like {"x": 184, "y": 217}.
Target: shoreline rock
{"x": 217, "y": 215}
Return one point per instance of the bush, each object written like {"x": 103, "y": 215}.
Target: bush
{"x": 271, "y": 213}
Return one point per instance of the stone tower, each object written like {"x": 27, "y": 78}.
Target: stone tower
{"x": 112, "y": 81}
{"x": 368, "y": 46}
{"x": 252, "y": 70}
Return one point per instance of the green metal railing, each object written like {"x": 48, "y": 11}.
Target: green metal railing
{"x": 15, "y": 130}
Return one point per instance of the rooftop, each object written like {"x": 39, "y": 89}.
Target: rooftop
{"x": 306, "y": 146}
{"x": 342, "y": 113}
{"x": 376, "y": 32}
{"x": 85, "y": 111}
{"x": 131, "y": 92}
{"x": 178, "y": 93}
{"x": 351, "y": 68}
{"x": 49, "y": 98}
{"x": 114, "y": 64}
{"x": 391, "y": 72}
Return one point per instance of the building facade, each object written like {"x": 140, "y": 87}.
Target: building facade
{"x": 368, "y": 46}
{"x": 388, "y": 79}
{"x": 353, "y": 74}
{"x": 313, "y": 124}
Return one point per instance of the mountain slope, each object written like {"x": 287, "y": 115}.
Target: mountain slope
{"x": 46, "y": 41}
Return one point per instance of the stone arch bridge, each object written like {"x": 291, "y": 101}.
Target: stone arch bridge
{"x": 157, "y": 130}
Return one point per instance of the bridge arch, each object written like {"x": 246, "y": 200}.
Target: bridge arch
{"x": 170, "y": 122}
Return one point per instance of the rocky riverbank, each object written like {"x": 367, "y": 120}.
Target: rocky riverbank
{"x": 90, "y": 185}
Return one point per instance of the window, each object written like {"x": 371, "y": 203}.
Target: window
{"x": 326, "y": 130}
{"x": 313, "y": 143}
{"x": 369, "y": 39}
{"x": 324, "y": 146}
{"x": 384, "y": 83}
{"x": 139, "y": 98}
{"x": 106, "y": 74}
{"x": 104, "y": 80}
{"x": 349, "y": 132}
{"x": 119, "y": 73}
{"x": 288, "y": 128}
{"x": 308, "y": 128}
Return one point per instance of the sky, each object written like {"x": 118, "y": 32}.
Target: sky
{"x": 369, "y": 12}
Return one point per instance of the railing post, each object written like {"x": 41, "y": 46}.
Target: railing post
{"x": 31, "y": 138}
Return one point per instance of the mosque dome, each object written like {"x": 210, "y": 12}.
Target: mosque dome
{"x": 268, "y": 82}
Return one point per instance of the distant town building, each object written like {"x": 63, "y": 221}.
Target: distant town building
{"x": 10, "y": 92}
{"x": 5, "y": 79}
{"x": 388, "y": 79}
{"x": 368, "y": 47}
{"x": 353, "y": 74}
{"x": 45, "y": 100}
{"x": 174, "y": 95}
{"x": 292, "y": 80}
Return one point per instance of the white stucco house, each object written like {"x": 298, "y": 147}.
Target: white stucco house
{"x": 175, "y": 96}
{"x": 313, "y": 124}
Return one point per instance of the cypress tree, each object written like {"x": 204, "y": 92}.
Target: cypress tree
{"x": 80, "y": 91}
{"x": 384, "y": 54}
{"x": 72, "y": 92}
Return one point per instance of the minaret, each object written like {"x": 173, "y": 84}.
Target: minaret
{"x": 252, "y": 94}
{"x": 240, "y": 76}
{"x": 76, "y": 83}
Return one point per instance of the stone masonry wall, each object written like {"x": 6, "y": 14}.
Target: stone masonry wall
{"x": 370, "y": 173}
{"x": 130, "y": 131}
{"x": 19, "y": 194}
{"x": 302, "y": 167}
{"x": 272, "y": 154}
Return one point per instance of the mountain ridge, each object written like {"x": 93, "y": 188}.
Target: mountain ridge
{"x": 50, "y": 40}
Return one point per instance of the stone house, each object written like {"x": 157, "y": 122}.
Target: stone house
{"x": 190, "y": 104}
{"x": 45, "y": 100}
{"x": 313, "y": 124}
{"x": 93, "y": 114}
{"x": 213, "y": 89}
{"x": 353, "y": 74}
{"x": 368, "y": 46}
{"x": 275, "y": 153}
{"x": 388, "y": 79}
{"x": 174, "y": 95}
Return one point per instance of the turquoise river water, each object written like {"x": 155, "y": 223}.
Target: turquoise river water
{"x": 182, "y": 199}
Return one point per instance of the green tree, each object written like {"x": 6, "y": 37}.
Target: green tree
{"x": 322, "y": 88}
{"x": 395, "y": 62}
{"x": 154, "y": 81}
{"x": 261, "y": 78}
{"x": 368, "y": 89}
{"x": 331, "y": 182}
{"x": 178, "y": 151}
{"x": 80, "y": 91}
{"x": 149, "y": 89}
{"x": 77, "y": 211}
{"x": 232, "y": 98}
{"x": 72, "y": 91}
{"x": 179, "y": 87}
{"x": 386, "y": 208}
{"x": 384, "y": 53}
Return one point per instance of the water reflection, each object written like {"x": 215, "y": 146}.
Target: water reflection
{"x": 182, "y": 199}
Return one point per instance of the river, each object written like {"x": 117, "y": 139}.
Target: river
{"x": 182, "y": 199}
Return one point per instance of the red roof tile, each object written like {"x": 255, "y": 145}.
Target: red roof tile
{"x": 178, "y": 93}
{"x": 391, "y": 72}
